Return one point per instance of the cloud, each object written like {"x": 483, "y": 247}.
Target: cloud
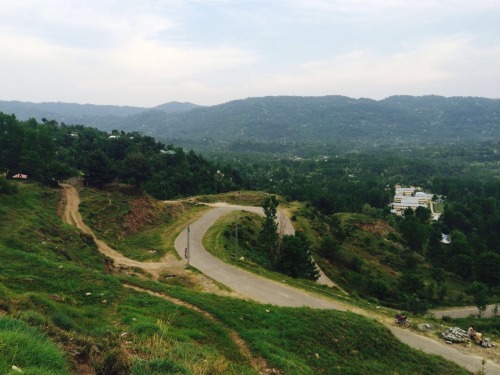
{"x": 135, "y": 65}
{"x": 145, "y": 52}
{"x": 433, "y": 66}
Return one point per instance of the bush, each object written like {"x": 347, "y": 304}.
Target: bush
{"x": 114, "y": 363}
{"x": 415, "y": 304}
{"x": 7, "y": 187}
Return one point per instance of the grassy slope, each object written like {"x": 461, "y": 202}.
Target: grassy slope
{"x": 56, "y": 282}
{"x": 379, "y": 253}
{"x": 27, "y": 349}
{"x": 138, "y": 226}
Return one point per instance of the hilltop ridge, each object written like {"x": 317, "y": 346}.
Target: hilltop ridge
{"x": 347, "y": 123}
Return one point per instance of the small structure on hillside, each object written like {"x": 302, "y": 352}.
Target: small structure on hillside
{"x": 20, "y": 176}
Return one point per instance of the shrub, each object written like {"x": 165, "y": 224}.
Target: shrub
{"x": 7, "y": 187}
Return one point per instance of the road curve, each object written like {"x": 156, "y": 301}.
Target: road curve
{"x": 285, "y": 226}
{"x": 251, "y": 285}
{"x": 271, "y": 292}
{"x": 469, "y": 361}
{"x": 464, "y": 312}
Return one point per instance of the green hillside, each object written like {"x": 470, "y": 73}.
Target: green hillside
{"x": 346, "y": 123}
{"x": 60, "y": 298}
{"x": 282, "y": 124}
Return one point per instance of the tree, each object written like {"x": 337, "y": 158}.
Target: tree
{"x": 98, "y": 168}
{"x": 11, "y": 141}
{"x": 6, "y": 187}
{"x": 435, "y": 251}
{"x": 411, "y": 283}
{"x": 330, "y": 247}
{"x": 423, "y": 214}
{"x": 488, "y": 269}
{"x": 295, "y": 258}
{"x": 378, "y": 288}
{"x": 479, "y": 293}
{"x": 269, "y": 237}
{"x": 415, "y": 233}
{"x": 459, "y": 244}
{"x": 408, "y": 212}
{"x": 462, "y": 265}
{"x": 415, "y": 304}
{"x": 137, "y": 168}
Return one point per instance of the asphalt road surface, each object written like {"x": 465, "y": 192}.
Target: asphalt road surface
{"x": 271, "y": 292}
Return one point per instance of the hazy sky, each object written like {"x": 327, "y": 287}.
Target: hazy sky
{"x": 145, "y": 53}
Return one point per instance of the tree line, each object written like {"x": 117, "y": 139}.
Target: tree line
{"x": 50, "y": 152}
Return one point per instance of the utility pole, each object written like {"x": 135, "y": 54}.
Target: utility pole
{"x": 187, "y": 248}
{"x": 236, "y": 236}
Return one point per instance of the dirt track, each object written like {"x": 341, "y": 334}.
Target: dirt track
{"x": 72, "y": 216}
{"x": 254, "y": 286}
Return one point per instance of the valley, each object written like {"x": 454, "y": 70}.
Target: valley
{"x": 108, "y": 281}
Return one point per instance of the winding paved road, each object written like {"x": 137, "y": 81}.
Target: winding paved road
{"x": 271, "y": 292}
{"x": 254, "y": 286}
{"x": 250, "y": 285}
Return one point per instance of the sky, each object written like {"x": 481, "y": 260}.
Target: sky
{"x": 145, "y": 53}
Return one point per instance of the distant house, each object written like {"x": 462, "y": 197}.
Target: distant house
{"x": 20, "y": 176}
{"x": 113, "y": 136}
{"x": 167, "y": 152}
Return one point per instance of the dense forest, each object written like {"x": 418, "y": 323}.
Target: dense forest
{"x": 292, "y": 124}
{"x": 466, "y": 177}
{"x": 50, "y": 152}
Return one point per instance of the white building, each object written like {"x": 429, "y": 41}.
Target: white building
{"x": 409, "y": 198}
{"x": 408, "y": 192}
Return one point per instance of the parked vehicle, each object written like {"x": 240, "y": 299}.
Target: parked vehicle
{"x": 402, "y": 320}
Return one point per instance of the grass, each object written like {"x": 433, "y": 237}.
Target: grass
{"x": 242, "y": 197}
{"x": 370, "y": 251}
{"x": 134, "y": 224}
{"x": 28, "y": 350}
{"x": 288, "y": 338}
{"x": 86, "y": 311}
{"x": 64, "y": 307}
{"x": 438, "y": 207}
{"x": 219, "y": 241}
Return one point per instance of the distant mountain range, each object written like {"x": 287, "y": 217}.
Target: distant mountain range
{"x": 337, "y": 120}
{"x": 100, "y": 116}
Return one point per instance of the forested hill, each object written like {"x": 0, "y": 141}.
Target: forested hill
{"x": 333, "y": 120}
{"x": 49, "y": 152}
{"x": 362, "y": 123}
{"x": 104, "y": 117}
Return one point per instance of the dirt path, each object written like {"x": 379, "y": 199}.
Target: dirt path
{"x": 257, "y": 362}
{"x": 72, "y": 216}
